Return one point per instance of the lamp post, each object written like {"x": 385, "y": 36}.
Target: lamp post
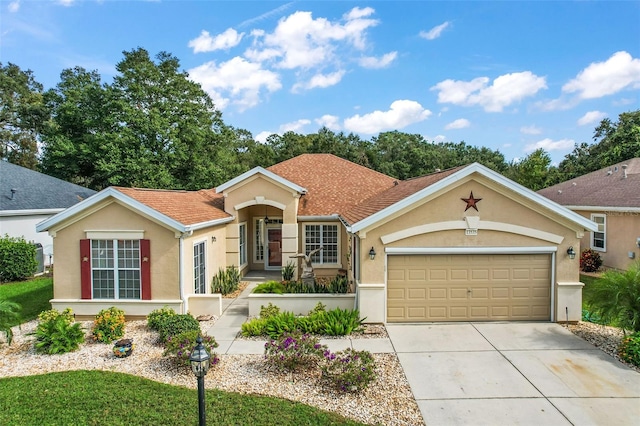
{"x": 200, "y": 362}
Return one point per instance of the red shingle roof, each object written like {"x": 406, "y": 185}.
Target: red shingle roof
{"x": 606, "y": 187}
{"x": 186, "y": 207}
{"x": 334, "y": 185}
{"x": 394, "y": 194}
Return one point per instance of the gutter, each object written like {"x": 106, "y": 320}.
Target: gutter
{"x": 185, "y": 302}
{"x": 31, "y": 212}
{"x": 329, "y": 218}
{"x": 201, "y": 225}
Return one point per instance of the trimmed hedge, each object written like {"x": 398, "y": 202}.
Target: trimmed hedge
{"x": 17, "y": 259}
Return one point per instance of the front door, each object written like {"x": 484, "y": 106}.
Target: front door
{"x": 274, "y": 248}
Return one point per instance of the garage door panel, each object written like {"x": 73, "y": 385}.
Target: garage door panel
{"x": 494, "y": 287}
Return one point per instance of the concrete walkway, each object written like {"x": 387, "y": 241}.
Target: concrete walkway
{"x": 485, "y": 373}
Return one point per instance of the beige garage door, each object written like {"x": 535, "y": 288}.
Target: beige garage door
{"x": 485, "y": 287}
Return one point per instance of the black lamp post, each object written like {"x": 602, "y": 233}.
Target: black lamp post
{"x": 200, "y": 362}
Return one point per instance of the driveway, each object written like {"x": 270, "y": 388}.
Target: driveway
{"x": 513, "y": 374}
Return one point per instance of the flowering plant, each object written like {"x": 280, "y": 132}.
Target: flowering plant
{"x": 108, "y": 325}
{"x": 181, "y": 346}
{"x": 348, "y": 370}
{"x": 292, "y": 351}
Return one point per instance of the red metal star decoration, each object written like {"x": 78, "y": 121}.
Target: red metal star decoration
{"x": 471, "y": 202}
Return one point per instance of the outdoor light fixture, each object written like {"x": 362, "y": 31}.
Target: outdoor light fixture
{"x": 372, "y": 253}
{"x": 200, "y": 363}
{"x": 571, "y": 252}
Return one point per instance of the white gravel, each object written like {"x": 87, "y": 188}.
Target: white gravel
{"x": 387, "y": 401}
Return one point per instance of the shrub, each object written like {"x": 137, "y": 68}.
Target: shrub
{"x": 270, "y": 287}
{"x": 17, "y": 259}
{"x": 339, "y": 285}
{"x": 178, "y": 324}
{"x": 158, "y": 316}
{"x": 255, "y": 327}
{"x": 320, "y": 308}
{"x": 348, "y": 370}
{"x": 288, "y": 270}
{"x": 108, "y": 325}
{"x": 226, "y": 280}
{"x": 293, "y": 351}
{"x": 630, "y": 349}
{"x": 9, "y": 314}
{"x": 339, "y": 322}
{"x": 181, "y": 346}
{"x": 52, "y": 314}
{"x": 270, "y": 310}
{"x": 277, "y": 325}
{"x": 58, "y": 336}
{"x": 588, "y": 316}
{"x": 590, "y": 261}
{"x": 615, "y": 297}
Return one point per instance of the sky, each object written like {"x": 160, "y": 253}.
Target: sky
{"x": 512, "y": 76}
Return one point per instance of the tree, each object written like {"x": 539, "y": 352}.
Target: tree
{"x": 151, "y": 128}
{"x": 533, "y": 171}
{"x": 22, "y": 115}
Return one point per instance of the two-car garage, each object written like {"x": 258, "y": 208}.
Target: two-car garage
{"x": 469, "y": 287}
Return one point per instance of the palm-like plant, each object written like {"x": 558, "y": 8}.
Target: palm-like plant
{"x": 9, "y": 316}
{"x": 616, "y": 297}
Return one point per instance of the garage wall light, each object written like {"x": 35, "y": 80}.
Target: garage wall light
{"x": 571, "y": 252}
{"x": 372, "y": 254}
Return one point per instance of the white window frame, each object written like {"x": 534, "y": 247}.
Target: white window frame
{"x": 242, "y": 244}
{"x": 196, "y": 273}
{"x": 321, "y": 255}
{"x": 603, "y": 232}
{"x": 115, "y": 268}
{"x": 259, "y": 248}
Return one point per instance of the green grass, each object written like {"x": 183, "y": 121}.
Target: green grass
{"x": 107, "y": 398}
{"x": 32, "y": 295}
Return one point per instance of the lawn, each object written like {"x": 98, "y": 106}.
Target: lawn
{"x": 108, "y": 398}
{"x": 33, "y": 295}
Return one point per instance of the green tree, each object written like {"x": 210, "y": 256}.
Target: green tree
{"x": 22, "y": 115}
{"x": 533, "y": 171}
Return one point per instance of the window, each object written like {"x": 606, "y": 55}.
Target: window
{"x": 325, "y": 236}
{"x": 259, "y": 252}
{"x": 199, "y": 276}
{"x": 115, "y": 269}
{"x": 598, "y": 238}
{"x": 242, "y": 243}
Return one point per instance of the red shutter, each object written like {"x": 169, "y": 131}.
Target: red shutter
{"x": 85, "y": 269}
{"x": 145, "y": 269}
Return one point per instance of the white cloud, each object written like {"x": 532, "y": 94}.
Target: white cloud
{"x": 599, "y": 79}
{"x": 434, "y": 32}
{"x": 550, "y": 145}
{"x": 262, "y": 136}
{"x": 331, "y": 122}
{"x": 460, "y": 123}
{"x": 236, "y": 81}
{"x": 591, "y": 117}
{"x": 266, "y": 15}
{"x": 205, "y": 43}
{"x": 435, "y": 139}
{"x": 400, "y": 114}
{"x": 381, "y": 62}
{"x": 66, "y": 3}
{"x": 320, "y": 80}
{"x": 530, "y": 130}
{"x": 357, "y": 13}
{"x": 14, "y": 6}
{"x": 294, "y": 126}
{"x": 505, "y": 90}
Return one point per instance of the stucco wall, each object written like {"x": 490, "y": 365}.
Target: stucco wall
{"x": 622, "y": 233}
{"x": 164, "y": 251}
{"x": 215, "y": 254}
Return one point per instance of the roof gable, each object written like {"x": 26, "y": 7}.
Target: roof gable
{"x": 613, "y": 186}
{"x": 246, "y": 176}
{"x": 36, "y": 191}
{"x": 334, "y": 185}
{"x": 440, "y": 181}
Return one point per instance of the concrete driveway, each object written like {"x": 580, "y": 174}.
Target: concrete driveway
{"x": 513, "y": 374}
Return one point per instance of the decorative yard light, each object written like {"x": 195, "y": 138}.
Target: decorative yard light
{"x": 200, "y": 363}
{"x": 571, "y": 252}
{"x": 372, "y": 253}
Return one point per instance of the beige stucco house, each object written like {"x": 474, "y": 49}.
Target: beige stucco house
{"x": 611, "y": 198}
{"x": 464, "y": 244}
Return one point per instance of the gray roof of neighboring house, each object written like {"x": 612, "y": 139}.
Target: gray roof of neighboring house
{"x": 35, "y": 190}
{"x": 615, "y": 186}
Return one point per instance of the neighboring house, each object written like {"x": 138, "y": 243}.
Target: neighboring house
{"x": 456, "y": 245}
{"x": 611, "y": 198}
{"x": 28, "y": 197}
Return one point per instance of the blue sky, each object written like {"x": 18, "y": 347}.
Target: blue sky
{"x": 512, "y": 76}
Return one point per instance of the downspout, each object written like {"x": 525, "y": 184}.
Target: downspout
{"x": 185, "y": 301}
